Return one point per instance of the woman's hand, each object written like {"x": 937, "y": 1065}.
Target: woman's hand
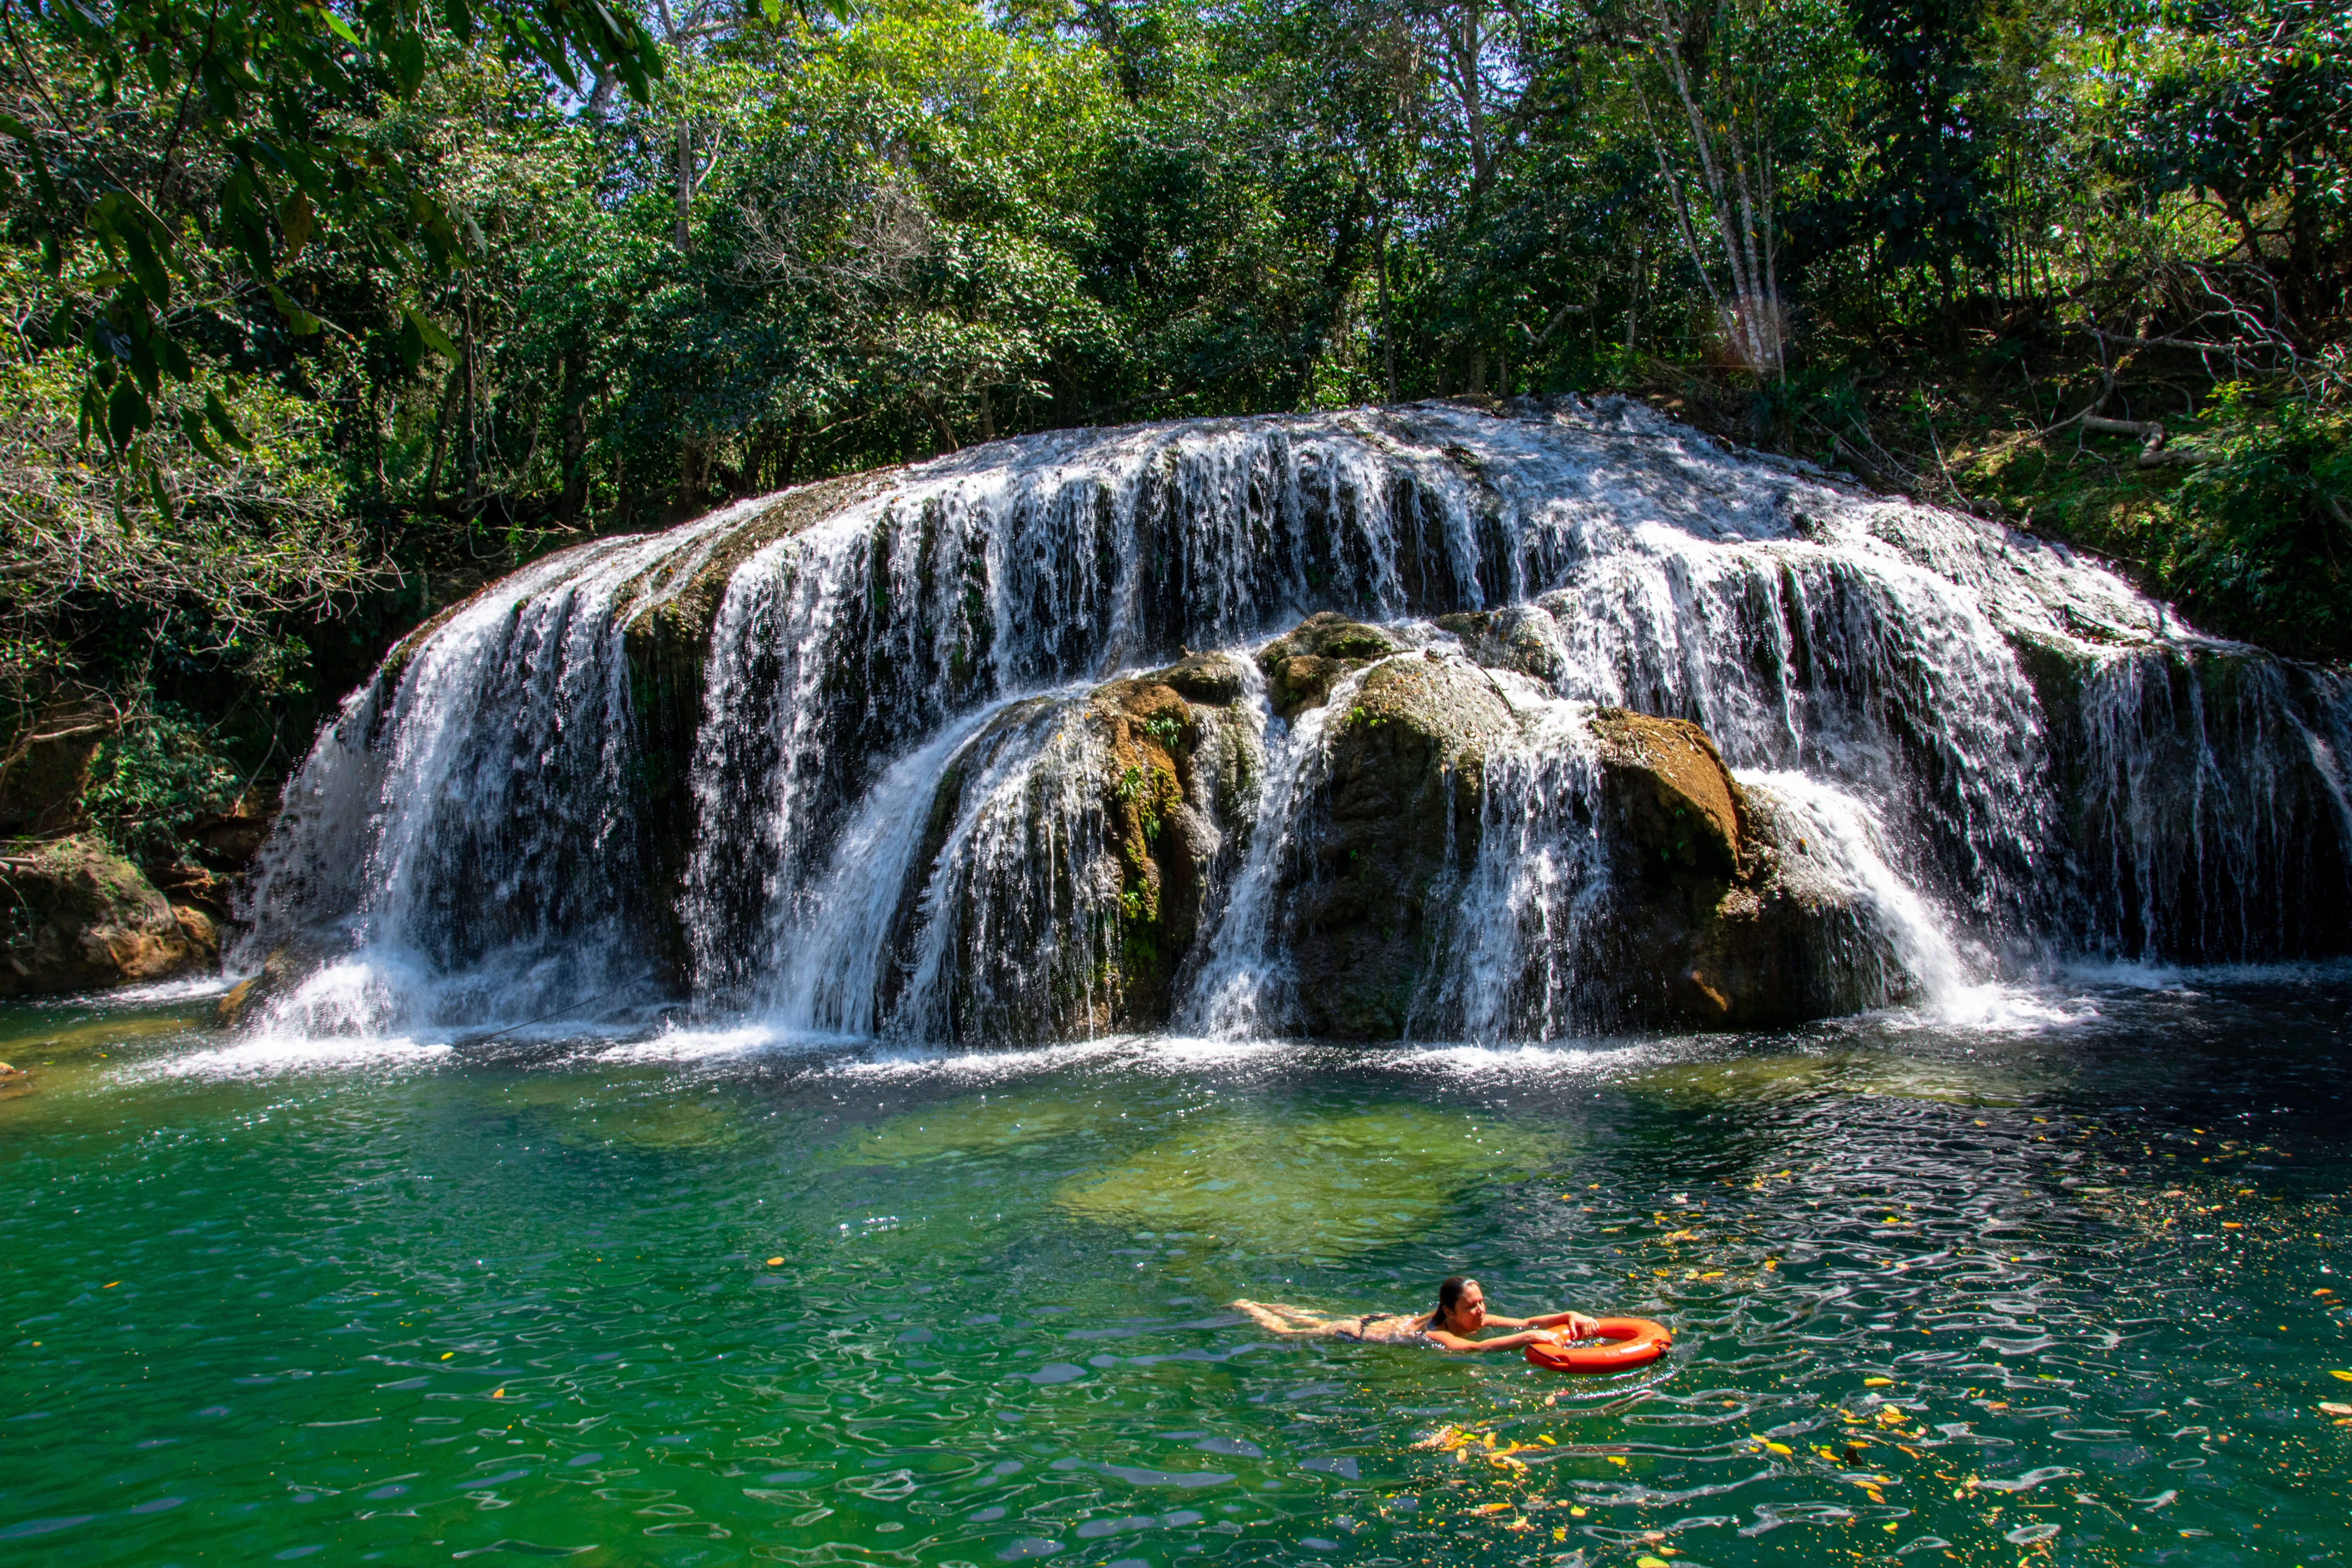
{"x": 1577, "y": 1326}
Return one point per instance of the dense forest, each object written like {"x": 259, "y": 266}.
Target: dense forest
{"x": 320, "y": 315}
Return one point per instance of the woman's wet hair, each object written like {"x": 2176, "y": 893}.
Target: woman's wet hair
{"x": 1449, "y": 1296}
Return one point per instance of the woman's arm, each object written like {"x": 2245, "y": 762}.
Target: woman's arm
{"x": 1454, "y": 1342}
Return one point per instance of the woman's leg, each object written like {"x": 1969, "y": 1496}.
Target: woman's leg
{"x": 1282, "y": 1320}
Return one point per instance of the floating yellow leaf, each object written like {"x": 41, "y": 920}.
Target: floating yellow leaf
{"x": 2346, "y": 1376}
{"x": 1877, "y": 1383}
{"x": 446, "y": 1354}
{"x": 1619, "y": 1459}
{"x": 1491, "y": 1508}
{"x": 1651, "y": 1562}
{"x": 109, "y": 1284}
{"x": 498, "y": 1393}
{"x": 775, "y": 1263}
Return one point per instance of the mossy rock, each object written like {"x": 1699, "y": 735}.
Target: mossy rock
{"x": 1515, "y": 637}
{"x": 1301, "y": 666}
{"x": 81, "y": 918}
{"x": 1380, "y": 859}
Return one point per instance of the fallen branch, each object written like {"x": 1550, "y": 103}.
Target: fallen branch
{"x": 2152, "y": 452}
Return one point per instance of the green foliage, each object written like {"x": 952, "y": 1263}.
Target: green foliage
{"x": 160, "y": 770}
{"x": 200, "y": 148}
{"x": 307, "y": 309}
{"x": 2258, "y": 541}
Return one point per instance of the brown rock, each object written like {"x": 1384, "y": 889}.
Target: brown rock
{"x": 1301, "y": 666}
{"x": 82, "y": 917}
{"x": 1673, "y": 796}
{"x": 1719, "y": 921}
{"x": 281, "y": 971}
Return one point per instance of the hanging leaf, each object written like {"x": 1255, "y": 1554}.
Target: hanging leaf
{"x": 216, "y": 413}
{"x": 127, "y": 412}
{"x": 192, "y": 426}
{"x": 295, "y": 218}
{"x": 161, "y": 495}
{"x": 434, "y": 337}
{"x": 298, "y": 320}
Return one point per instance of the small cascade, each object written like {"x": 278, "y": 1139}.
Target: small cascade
{"x": 984, "y": 749}
{"x": 2215, "y": 824}
{"x": 1525, "y": 946}
{"x": 1241, "y": 985}
{"x": 1855, "y": 666}
{"x": 970, "y": 896}
{"x": 1847, "y": 843}
{"x": 465, "y": 841}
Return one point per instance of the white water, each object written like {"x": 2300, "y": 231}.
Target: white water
{"x": 464, "y": 841}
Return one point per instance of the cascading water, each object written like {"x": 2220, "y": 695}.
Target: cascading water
{"x": 931, "y": 796}
{"x": 463, "y": 842}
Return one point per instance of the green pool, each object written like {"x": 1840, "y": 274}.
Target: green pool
{"x": 2071, "y": 1290}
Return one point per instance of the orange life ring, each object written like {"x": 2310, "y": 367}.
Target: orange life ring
{"x": 1633, "y": 1341}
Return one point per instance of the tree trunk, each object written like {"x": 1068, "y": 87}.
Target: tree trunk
{"x": 685, "y": 186}
{"x": 573, "y": 445}
{"x": 1387, "y": 327}
{"x": 473, "y": 464}
{"x": 694, "y": 455}
{"x": 791, "y": 475}
{"x": 440, "y": 440}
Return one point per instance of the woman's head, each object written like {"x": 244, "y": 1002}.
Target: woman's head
{"x": 1461, "y": 1306}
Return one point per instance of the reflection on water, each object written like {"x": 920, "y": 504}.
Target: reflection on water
{"x": 2067, "y": 1290}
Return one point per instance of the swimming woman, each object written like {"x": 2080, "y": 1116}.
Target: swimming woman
{"x": 1461, "y": 1312}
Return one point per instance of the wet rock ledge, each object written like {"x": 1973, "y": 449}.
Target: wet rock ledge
{"x": 1712, "y": 910}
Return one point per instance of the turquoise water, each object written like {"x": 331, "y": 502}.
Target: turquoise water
{"x": 2050, "y": 1292}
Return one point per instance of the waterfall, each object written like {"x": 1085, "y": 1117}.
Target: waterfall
{"x": 465, "y": 840}
{"x": 923, "y": 769}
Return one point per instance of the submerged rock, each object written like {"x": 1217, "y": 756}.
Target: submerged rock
{"x": 81, "y": 918}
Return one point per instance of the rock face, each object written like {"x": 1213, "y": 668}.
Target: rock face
{"x": 1073, "y": 853}
{"x": 1724, "y": 918}
{"x": 81, "y": 918}
{"x": 1707, "y": 923}
{"x": 1370, "y": 887}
